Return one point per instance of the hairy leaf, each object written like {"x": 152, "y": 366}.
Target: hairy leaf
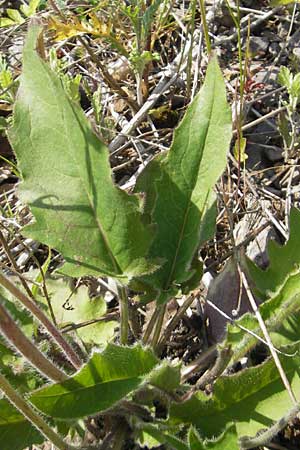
{"x": 282, "y": 2}
{"x": 274, "y": 312}
{"x": 148, "y": 17}
{"x": 165, "y": 377}
{"x": 226, "y": 441}
{"x": 6, "y": 22}
{"x": 178, "y": 185}
{"x": 288, "y": 332}
{"x": 67, "y": 180}
{"x": 283, "y": 259}
{"x": 253, "y": 398}
{"x": 29, "y": 9}
{"x": 76, "y": 308}
{"x": 107, "y": 378}
{"x": 16, "y": 433}
{"x": 160, "y": 437}
{"x": 13, "y": 365}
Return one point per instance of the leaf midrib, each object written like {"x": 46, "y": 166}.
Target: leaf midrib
{"x": 71, "y": 154}
{"x": 89, "y": 387}
{"x": 189, "y": 201}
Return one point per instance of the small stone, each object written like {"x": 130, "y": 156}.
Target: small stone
{"x": 296, "y": 52}
{"x": 273, "y": 153}
{"x": 259, "y": 46}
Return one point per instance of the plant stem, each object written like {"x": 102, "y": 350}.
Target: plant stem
{"x": 31, "y": 415}
{"x": 52, "y": 330}
{"x": 205, "y": 26}
{"x": 198, "y": 364}
{"x": 120, "y": 434}
{"x": 175, "y": 320}
{"x": 124, "y": 315}
{"x": 190, "y": 54}
{"x": 218, "y": 368}
{"x": 150, "y": 326}
{"x": 14, "y": 335}
{"x": 158, "y": 326}
{"x": 242, "y": 73}
{"x": 263, "y": 439}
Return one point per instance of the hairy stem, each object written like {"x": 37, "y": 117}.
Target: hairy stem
{"x": 120, "y": 434}
{"x": 23, "y": 281}
{"x": 150, "y": 326}
{"x": 124, "y": 315}
{"x": 35, "y": 310}
{"x": 206, "y": 357}
{"x": 263, "y": 439}
{"x": 31, "y": 415}
{"x": 13, "y": 334}
{"x": 158, "y": 326}
{"x": 190, "y": 53}
{"x": 218, "y": 368}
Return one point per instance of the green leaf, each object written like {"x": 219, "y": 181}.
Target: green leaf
{"x": 16, "y": 433}
{"x": 285, "y": 77}
{"x": 284, "y": 260}
{"x": 67, "y": 181}
{"x": 178, "y": 184}
{"x": 106, "y": 379}
{"x": 161, "y": 437}
{"x": 80, "y": 308}
{"x": 6, "y": 79}
{"x": 39, "y": 278}
{"x": 282, "y": 2}
{"x": 5, "y": 22}
{"x": 29, "y": 10}
{"x": 288, "y": 332}
{"x": 274, "y": 312}
{"x": 165, "y": 377}
{"x": 240, "y": 150}
{"x": 14, "y": 15}
{"x": 148, "y": 16}
{"x": 295, "y": 88}
{"x": 253, "y": 398}
{"x": 226, "y": 441}
{"x": 3, "y": 123}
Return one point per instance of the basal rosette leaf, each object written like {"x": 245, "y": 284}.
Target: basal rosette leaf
{"x": 16, "y": 433}
{"x": 80, "y": 309}
{"x": 106, "y": 379}
{"x": 253, "y": 399}
{"x": 152, "y": 437}
{"x": 284, "y": 260}
{"x": 67, "y": 181}
{"x": 275, "y": 312}
{"x": 226, "y": 441}
{"x": 178, "y": 185}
